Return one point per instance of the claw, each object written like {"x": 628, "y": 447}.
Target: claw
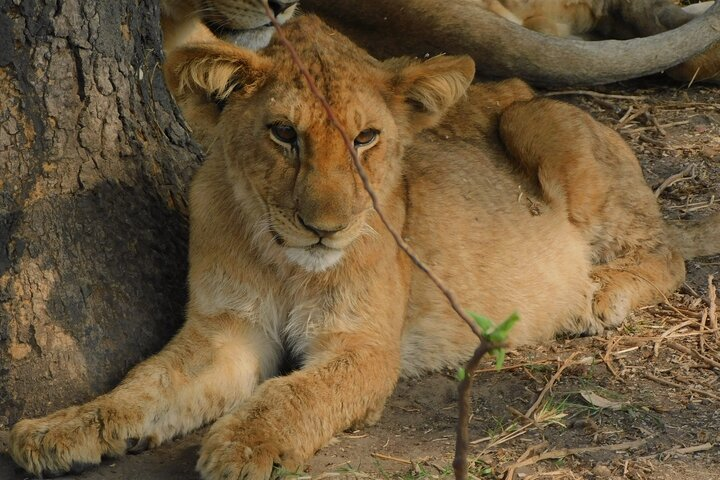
{"x": 79, "y": 467}
{"x": 135, "y": 445}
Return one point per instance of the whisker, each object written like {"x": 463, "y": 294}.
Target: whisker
{"x": 227, "y": 21}
{"x": 368, "y": 230}
{"x": 211, "y": 144}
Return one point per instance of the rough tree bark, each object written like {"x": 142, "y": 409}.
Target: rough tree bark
{"x": 94, "y": 162}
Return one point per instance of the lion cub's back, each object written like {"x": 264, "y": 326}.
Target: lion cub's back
{"x": 499, "y": 248}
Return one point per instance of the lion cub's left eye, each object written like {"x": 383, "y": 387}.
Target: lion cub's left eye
{"x": 284, "y": 133}
{"x": 366, "y": 137}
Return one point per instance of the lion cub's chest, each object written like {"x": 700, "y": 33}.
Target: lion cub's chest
{"x": 291, "y": 315}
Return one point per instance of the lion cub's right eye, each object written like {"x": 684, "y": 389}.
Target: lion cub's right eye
{"x": 283, "y": 133}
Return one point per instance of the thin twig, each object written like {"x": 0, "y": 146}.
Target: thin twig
{"x": 454, "y": 303}
{"x": 712, "y": 311}
{"x": 551, "y": 382}
{"x": 590, "y": 93}
{"x": 391, "y": 458}
{"x": 510, "y": 472}
{"x": 460, "y": 464}
{"x": 693, "y": 353}
{"x": 652, "y": 141}
{"x": 607, "y": 358}
{"x": 656, "y": 125}
{"x": 662, "y": 294}
{"x": 668, "y": 334}
{"x": 630, "y": 117}
{"x": 625, "y": 117}
{"x": 677, "y": 177}
{"x": 669, "y": 383}
{"x": 692, "y": 80}
{"x": 513, "y": 367}
{"x": 694, "y": 449}
{"x": 566, "y": 452}
{"x": 701, "y": 337}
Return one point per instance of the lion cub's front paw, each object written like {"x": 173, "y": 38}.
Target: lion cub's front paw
{"x": 612, "y": 306}
{"x": 233, "y": 451}
{"x": 66, "y": 441}
{"x": 53, "y": 445}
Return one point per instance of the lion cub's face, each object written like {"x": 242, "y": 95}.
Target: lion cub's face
{"x": 291, "y": 172}
{"x": 287, "y": 158}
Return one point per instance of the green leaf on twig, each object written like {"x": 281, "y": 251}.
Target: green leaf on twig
{"x": 499, "y": 358}
{"x": 485, "y": 324}
{"x": 500, "y": 334}
{"x": 495, "y": 334}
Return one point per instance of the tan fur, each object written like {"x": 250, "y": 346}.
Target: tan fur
{"x": 519, "y": 204}
{"x": 562, "y": 18}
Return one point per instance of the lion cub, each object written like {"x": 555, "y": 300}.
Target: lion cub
{"x": 517, "y": 203}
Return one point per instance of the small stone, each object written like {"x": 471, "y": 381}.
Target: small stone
{"x": 524, "y": 472}
{"x": 710, "y": 152}
{"x": 601, "y": 471}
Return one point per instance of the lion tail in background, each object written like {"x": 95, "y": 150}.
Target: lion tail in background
{"x": 696, "y": 238}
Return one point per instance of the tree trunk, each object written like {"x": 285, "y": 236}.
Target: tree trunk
{"x": 94, "y": 163}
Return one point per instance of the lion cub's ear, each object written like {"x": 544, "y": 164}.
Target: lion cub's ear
{"x": 201, "y": 77}
{"x": 426, "y": 90}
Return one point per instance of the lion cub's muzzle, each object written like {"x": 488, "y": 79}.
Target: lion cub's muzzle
{"x": 313, "y": 232}
{"x": 322, "y": 231}
{"x": 315, "y": 245}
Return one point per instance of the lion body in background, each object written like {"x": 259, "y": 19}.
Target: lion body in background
{"x": 597, "y": 19}
{"x": 244, "y": 23}
{"x": 517, "y": 203}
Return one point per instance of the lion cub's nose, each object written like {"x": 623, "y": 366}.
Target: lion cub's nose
{"x": 321, "y": 231}
{"x": 279, "y": 6}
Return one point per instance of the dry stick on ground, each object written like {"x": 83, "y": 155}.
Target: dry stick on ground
{"x": 607, "y": 358}
{"x": 678, "y": 177}
{"x": 667, "y": 334}
{"x": 702, "y": 358}
{"x": 510, "y": 472}
{"x": 694, "y": 449}
{"x": 652, "y": 141}
{"x": 712, "y": 312}
{"x": 656, "y": 125}
{"x": 460, "y": 463}
{"x": 590, "y": 93}
{"x": 566, "y": 452}
{"x": 514, "y": 367}
{"x": 692, "y": 80}
{"x": 701, "y": 337}
{"x": 382, "y": 456}
{"x": 551, "y": 382}
{"x": 665, "y": 298}
{"x": 627, "y": 118}
{"x": 669, "y": 383}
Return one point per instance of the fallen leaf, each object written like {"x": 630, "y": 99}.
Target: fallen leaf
{"x": 601, "y": 402}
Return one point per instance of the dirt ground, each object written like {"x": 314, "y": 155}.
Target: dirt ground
{"x": 638, "y": 403}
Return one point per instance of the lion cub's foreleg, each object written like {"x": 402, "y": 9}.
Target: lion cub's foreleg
{"x": 344, "y": 382}
{"x": 587, "y": 169}
{"x": 206, "y": 370}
